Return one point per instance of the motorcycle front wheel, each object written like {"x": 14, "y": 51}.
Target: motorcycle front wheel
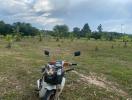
{"x": 49, "y": 95}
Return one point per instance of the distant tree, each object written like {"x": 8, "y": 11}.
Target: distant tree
{"x": 17, "y": 34}
{"x": 72, "y": 35}
{"x": 26, "y": 29}
{"x": 125, "y": 39}
{"x": 86, "y": 31}
{"x": 8, "y": 29}
{"x": 96, "y": 35}
{"x": 61, "y": 31}
{"x": 40, "y": 34}
{"x": 57, "y": 33}
{"x": 76, "y": 31}
{"x": 104, "y": 36}
{"x": 111, "y": 37}
{"x": 9, "y": 39}
{"x": 65, "y": 31}
{"x": 5, "y": 28}
{"x": 88, "y": 35}
{"x": 2, "y": 28}
{"x": 99, "y": 28}
{"x": 130, "y": 38}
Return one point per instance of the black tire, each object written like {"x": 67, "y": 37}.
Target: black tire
{"x": 49, "y": 95}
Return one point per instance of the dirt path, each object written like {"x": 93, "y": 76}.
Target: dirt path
{"x": 101, "y": 82}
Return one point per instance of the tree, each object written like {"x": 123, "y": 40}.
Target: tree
{"x": 26, "y": 29}
{"x": 8, "y": 29}
{"x": 72, "y": 35}
{"x": 100, "y": 29}
{"x": 125, "y": 40}
{"x": 2, "y": 28}
{"x": 86, "y": 31}
{"x": 96, "y": 35}
{"x": 9, "y": 39}
{"x": 76, "y": 31}
{"x": 40, "y": 34}
{"x": 88, "y": 35}
{"x": 61, "y": 31}
{"x": 111, "y": 37}
{"x": 57, "y": 33}
{"x": 17, "y": 34}
{"x": 5, "y": 28}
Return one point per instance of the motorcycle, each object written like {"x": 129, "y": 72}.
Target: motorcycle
{"x": 53, "y": 79}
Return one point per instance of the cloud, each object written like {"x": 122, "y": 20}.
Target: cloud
{"x": 40, "y": 12}
{"x": 43, "y": 5}
{"x": 110, "y": 13}
{"x": 9, "y": 7}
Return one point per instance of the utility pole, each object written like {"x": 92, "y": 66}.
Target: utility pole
{"x": 122, "y": 27}
{"x": 122, "y": 31}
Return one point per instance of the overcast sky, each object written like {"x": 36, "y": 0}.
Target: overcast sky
{"x": 47, "y": 13}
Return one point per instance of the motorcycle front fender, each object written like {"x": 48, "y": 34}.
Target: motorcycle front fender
{"x": 44, "y": 87}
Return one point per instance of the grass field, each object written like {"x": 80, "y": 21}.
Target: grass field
{"x": 112, "y": 67}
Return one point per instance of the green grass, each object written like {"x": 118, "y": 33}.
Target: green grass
{"x": 20, "y": 68}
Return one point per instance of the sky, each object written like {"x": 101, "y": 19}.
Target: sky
{"x": 44, "y": 14}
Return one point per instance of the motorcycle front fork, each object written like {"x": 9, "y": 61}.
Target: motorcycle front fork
{"x": 58, "y": 92}
{"x": 59, "y": 89}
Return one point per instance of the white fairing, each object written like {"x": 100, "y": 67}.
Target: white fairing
{"x": 63, "y": 83}
{"x": 46, "y": 86}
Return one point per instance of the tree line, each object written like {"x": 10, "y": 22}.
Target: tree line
{"x": 62, "y": 31}
{"x": 59, "y": 31}
{"x": 24, "y": 29}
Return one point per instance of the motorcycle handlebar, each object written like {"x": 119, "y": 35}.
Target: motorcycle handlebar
{"x": 69, "y": 69}
{"x": 74, "y": 64}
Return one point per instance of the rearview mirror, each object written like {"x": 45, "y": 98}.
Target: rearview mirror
{"x": 46, "y": 52}
{"x": 77, "y": 53}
